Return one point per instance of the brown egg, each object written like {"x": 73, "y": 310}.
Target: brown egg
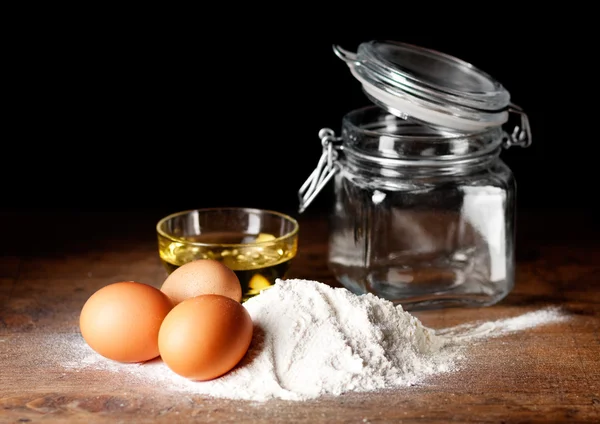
{"x": 202, "y": 276}
{"x": 205, "y": 337}
{"x": 121, "y": 321}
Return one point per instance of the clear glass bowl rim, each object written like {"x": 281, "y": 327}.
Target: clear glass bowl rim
{"x": 281, "y": 215}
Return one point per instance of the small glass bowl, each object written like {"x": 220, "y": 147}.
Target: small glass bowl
{"x": 258, "y": 245}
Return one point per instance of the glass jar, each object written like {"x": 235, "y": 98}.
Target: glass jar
{"x": 424, "y": 210}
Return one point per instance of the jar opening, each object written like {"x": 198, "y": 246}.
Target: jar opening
{"x": 375, "y": 132}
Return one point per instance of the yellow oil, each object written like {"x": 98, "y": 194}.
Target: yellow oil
{"x": 256, "y": 266}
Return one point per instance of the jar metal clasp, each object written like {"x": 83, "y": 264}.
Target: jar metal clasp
{"x": 521, "y": 135}
{"x": 325, "y": 170}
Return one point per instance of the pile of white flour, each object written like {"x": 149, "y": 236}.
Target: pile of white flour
{"x": 311, "y": 339}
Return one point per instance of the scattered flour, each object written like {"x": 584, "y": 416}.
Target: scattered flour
{"x": 311, "y": 339}
{"x": 474, "y": 331}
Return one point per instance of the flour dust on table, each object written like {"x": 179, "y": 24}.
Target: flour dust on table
{"x": 310, "y": 340}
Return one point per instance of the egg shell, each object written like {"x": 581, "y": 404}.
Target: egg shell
{"x": 204, "y": 337}
{"x": 199, "y": 277}
{"x": 121, "y": 321}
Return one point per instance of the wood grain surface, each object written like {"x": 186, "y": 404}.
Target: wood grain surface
{"x": 53, "y": 261}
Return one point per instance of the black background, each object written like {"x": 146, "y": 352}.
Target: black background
{"x": 170, "y": 110}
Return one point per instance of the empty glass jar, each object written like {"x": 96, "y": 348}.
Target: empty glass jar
{"x": 424, "y": 211}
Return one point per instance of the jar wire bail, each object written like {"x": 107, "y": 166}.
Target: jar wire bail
{"x": 325, "y": 170}
{"x": 521, "y": 135}
{"x": 346, "y": 55}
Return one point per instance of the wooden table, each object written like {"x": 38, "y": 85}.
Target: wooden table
{"x": 546, "y": 374}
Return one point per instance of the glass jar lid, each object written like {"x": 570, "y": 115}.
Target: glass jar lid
{"x": 428, "y": 86}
